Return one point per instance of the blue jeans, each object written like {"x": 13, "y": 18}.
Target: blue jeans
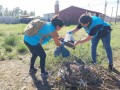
{"x": 106, "y": 43}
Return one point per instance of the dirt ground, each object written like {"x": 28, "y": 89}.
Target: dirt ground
{"x": 14, "y": 76}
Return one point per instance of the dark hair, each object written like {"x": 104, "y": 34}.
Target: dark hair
{"x": 85, "y": 18}
{"x": 56, "y": 21}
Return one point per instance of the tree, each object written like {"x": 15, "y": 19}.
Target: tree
{"x": 16, "y": 12}
{"x": 10, "y": 13}
{"x": 6, "y": 12}
{"x": 25, "y": 12}
{"x": 1, "y": 10}
{"x": 32, "y": 13}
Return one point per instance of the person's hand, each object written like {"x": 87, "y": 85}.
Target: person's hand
{"x": 61, "y": 37}
{"x": 69, "y": 32}
{"x": 76, "y": 43}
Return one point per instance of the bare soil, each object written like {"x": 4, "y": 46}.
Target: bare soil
{"x": 14, "y": 76}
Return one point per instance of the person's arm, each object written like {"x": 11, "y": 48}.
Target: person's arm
{"x": 61, "y": 37}
{"x": 55, "y": 37}
{"x": 76, "y": 29}
{"x": 84, "y": 40}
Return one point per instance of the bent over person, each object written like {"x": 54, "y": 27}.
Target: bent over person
{"x": 96, "y": 29}
{"x": 35, "y": 42}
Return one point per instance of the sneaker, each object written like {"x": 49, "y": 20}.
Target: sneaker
{"x": 110, "y": 67}
{"x": 32, "y": 71}
{"x": 45, "y": 74}
{"x": 94, "y": 63}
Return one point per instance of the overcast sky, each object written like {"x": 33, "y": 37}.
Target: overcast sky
{"x": 47, "y": 6}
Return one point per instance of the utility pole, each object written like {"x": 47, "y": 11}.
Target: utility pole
{"x": 34, "y": 13}
{"x": 88, "y": 6}
{"x": 111, "y": 15}
{"x": 116, "y": 11}
{"x": 105, "y": 10}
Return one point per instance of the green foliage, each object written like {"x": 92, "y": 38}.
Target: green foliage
{"x": 22, "y": 49}
{"x": 2, "y": 57}
{"x": 2, "y": 34}
{"x": 11, "y": 56}
{"x": 11, "y": 35}
{"x": 8, "y": 48}
{"x": 10, "y": 40}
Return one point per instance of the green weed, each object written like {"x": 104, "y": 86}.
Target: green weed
{"x": 8, "y": 48}
{"x": 2, "y": 34}
{"x": 22, "y": 49}
{"x": 11, "y": 35}
{"x": 10, "y": 40}
{"x": 2, "y": 57}
{"x": 11, "y": 56}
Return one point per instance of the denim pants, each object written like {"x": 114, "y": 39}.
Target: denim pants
{"x": 106, "y": 43}
{"x": 37, "y": 50}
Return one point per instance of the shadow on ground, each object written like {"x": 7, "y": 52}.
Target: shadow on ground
{"x": 40, "y": 84}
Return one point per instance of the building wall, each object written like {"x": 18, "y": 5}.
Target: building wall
{"x": 9, "y": 20}
{"x": 72, "y": 14}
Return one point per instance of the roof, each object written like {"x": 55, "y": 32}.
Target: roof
{"x": 78, "y": 8}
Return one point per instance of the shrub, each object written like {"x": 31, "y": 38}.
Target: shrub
{"x": 10, "y": 40}
{"x": 2, "y": 57}
{"x": 8, "y": 48}
{"x": 1, "y": 34}
{"x": 22, "y": 49}
{"x": 11, "y": 56}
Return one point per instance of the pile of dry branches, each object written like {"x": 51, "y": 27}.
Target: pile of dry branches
{"x": 72, "y": 75}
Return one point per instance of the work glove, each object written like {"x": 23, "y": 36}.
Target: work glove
{"x": 69, "y": 32}
{"x": 61, "y": 50}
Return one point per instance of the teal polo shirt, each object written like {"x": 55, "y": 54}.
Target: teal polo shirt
{"x": 35, "y": 39}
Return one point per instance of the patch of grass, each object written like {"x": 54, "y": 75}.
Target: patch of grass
{"x": 10, "y": 56}
{"x": 2, "y": 34}
{"x": 2, "y": 57}
{"x": 83, "y": 51}
{"x": 10, "y": 40}
{"x": 22, "y": 49}
{"x": 8, "y": 48}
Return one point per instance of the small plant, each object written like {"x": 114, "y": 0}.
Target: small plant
{"x": 2, "y": 57}
{"x": 1, "y": 34}
{"x": 22, "y": 49}
{"x": 8, "y": 48}
{"x": 11, "y": 56}
{"x": 10, "y": 40}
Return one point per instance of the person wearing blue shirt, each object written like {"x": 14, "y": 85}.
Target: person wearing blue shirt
{"x": 35, "y": 43}
{"x": 97, "y": 29}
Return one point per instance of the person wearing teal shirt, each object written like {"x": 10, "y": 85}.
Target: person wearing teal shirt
{"x": 44, "y": 35}
{"x": 97, "y": 29}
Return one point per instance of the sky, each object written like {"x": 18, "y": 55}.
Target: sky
{"x": 47, "y": 6}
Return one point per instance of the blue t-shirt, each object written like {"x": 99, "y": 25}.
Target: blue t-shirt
{"x": 35, "y": 39}
{"x": 97, "y": 28}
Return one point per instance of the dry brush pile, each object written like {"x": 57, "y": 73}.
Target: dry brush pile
{"x": 73, "y": 76}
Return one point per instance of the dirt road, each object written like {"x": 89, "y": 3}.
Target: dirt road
{"x": 14, "y": 76}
